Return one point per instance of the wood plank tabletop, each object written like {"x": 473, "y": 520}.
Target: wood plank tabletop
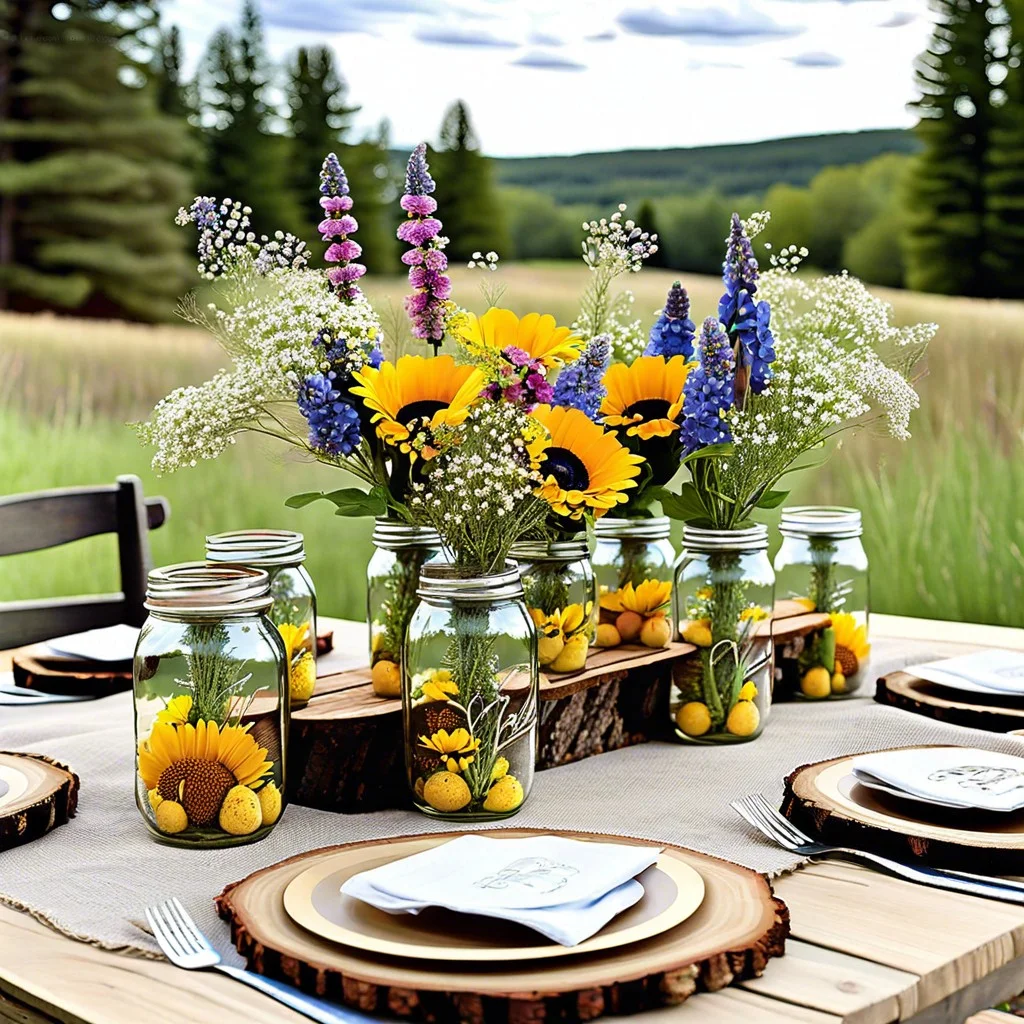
{"x": 866, "y": 948}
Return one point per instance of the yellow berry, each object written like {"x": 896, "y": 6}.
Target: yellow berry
{"x": 697, "y": 632}
{"x": 573, "y": 656}
{"x": 302, "y": 678}
{"x": 500, "y": 769}
{"x": 656, "y": 632}
{"x": 748, "y": 691}
{"x": 549, "y": 648}
{"x": 838, "y": 682}
{"x": 744, "y": 718}
{"x": 447, "y": 792}
{"x": 607, "y": 636}
{"x": 171, "y": 817}
{"x": 629, "y": 625}
{"x": 505, "y": 795}
{"x": 694, "y": 718}
{"x": 270, "y": 803}
{"x": 816, "y": 683}
{"x": 240, "y": 814}
{"x": 387, "y": 679}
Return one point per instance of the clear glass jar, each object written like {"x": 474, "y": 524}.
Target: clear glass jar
{"x": 281, "y": 553}
{"x": 561, "y": 597}
{"x": 633, "y": 561}
{"x": 724, "y": 595}
{"x": 822, "y": 566}
{"x": 392, "y": 576}
{"x": 210, "y": 707}
{"x": 469, "y": 695}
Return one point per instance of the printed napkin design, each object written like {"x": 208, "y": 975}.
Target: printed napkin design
{"x": 989, "y": 671}
{"x": 539, "y": 874}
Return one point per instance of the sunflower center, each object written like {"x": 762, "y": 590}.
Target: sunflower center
{"x": 649, "y": 409}
{"x": 846, "y": 660}
{"x": 206, "y": 783}
{"x": 568, "y": 469}
{"x": 423, "y": 410}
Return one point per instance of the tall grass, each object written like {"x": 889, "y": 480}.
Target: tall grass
{"x": 944, "y": 513}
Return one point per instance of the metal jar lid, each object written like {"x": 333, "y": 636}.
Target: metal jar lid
{"x": 836, "y": 521}
{"x": 448, "y": 583}
{"x": 656, "y": 528}
{"x": 753, "y": 538}
{"x": 551, "y": 550}
{"x": 204, "y": 589}
{"x": 392, "y": 535}
{"x": 270, "y": 548}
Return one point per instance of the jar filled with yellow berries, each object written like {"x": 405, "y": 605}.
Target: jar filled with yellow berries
{"x": 822, "y": 567}
{"x": 633, "y": 563}
{"x": 724, "y": 595}
{"x": 282, "y": 554}
{"x": 561, "y": 596}
{"x": 210, "y": 706}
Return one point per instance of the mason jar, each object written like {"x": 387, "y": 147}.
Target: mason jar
{"x": 282, "y": 554}
{"x": 392, "y": 576}
{"x": 724, "y": 596}
{"x": 823, "y": 567}
{"x": 633, "y": 562}
{"x": 469, "y": 695}
{"x": 210, "y": 682}
{"x": 561, "y": 597}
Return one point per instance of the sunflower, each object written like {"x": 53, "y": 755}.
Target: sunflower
{"x": 538, "y": 336}
{"x": 852, "y": 645}
{"x": 457, "y": 748}
{"x": 197, "y": 765}
{"x": 439, "y": 685}
{"x": 645, "y": 398}
{"x": 176, "y": 711}
{"x": 650, "y": 598}
{"x": 562, "y": 622}
{"x": 413, "y": 398}
{"x": 584, "y": 467}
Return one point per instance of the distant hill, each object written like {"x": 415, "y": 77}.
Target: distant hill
{"x": 632, "y": 174}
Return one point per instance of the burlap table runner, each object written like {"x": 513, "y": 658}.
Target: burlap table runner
{"x": 92, "y": 878}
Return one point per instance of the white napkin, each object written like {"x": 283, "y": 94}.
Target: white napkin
{"x": 111, "y": 643}
{"x": 961, "y": 777}
{"x": 565, "y": 889}
{"x": 990, "y": 671}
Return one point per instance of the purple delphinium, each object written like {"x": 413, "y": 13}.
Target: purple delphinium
{"x": 673, "y": 331}
{"x": 708, "y": 392}
{"x": 578, "y": 385}
{"x": 746, "y": 319}
{"x": 426, "y": 259}
{"x": 520, "y": 380}
{"x": 335, "y": 228}
{"x": 333, "y": 423}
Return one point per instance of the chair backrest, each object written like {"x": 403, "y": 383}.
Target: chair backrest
{"x": 46, "y": 519}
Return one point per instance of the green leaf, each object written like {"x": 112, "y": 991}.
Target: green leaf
{"x": 710, "y": 452}
{"x": 304, "y": 499}
{"x": 772, "y": 499}
{"x": 686, "y": 505}
{"x": 353, "y": 503}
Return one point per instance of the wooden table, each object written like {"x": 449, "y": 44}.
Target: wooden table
{"x": 866, "y": 948}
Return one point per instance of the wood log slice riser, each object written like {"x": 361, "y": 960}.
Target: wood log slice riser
{"x": 50, "y": 801}
{"x": 909, "y": 693}
{"x": 630, "y": 991}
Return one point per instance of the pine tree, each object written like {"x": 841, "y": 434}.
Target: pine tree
{"x": 171, "y": 91}
{"x": 946, "y": 202}
{"x": 375, "y": 188}
{"x": 466, "y": 197}
{"x": 90, "y": 170}
{"x": 646, "y": 218}
{"x": 247, "y": 156}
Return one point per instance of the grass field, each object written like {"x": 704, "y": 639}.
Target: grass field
{"x": 944, "y": 514}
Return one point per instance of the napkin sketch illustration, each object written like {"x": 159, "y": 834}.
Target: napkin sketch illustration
{"x": 541, "y": 874}
{"x": 984, "y": 777}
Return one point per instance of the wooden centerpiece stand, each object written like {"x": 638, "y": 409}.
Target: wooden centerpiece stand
{"x": 910, "y": 693}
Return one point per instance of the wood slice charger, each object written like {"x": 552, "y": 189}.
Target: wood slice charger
{"x": 826, "y": 801}
{"x": 36, "y": 795}
{"x": 908, "y": 692}
{"x": 739, "y": 926}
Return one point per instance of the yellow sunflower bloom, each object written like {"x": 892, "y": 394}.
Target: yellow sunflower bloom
{"x": 755, "y": 613}
{"x": 650, "y": 598}
{"x": 458, "y": 741}
{"x": 177, "y": 710}
{"x": 562, "y": 622}
{"x": 852, "y": 646}
{"x": 413, "y": 398}
{"x": 585, "y": 467}
{"x": 645, "y": 398}
{"x": 538, "y": 336}
{"x": 440, "y": 686}
{"x": 294, "y": 637}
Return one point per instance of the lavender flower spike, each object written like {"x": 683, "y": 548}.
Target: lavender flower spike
{"x": 708, "y": 393}
{"x": 336, "y": 226}
{"x": 673, "y": 331}
{"x": 578, "y": 385}
{"x": 427, "y": 306}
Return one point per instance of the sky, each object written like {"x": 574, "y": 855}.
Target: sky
{"x": 570, "y": 76}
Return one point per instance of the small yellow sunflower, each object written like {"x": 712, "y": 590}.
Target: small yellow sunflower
{"x": 177, "y": 710}
{"x": 538, "y": 336}
{"x": 584, "y": 467}
{"x": 755, "y": 613}
{"x": 645, "y": 398}
{"x": 295, "y": 638}
{"x": 562, "y": 622}
{"x": 440, "y": 686}
{"x": 852, "y": 646}
{"x": 413, "y": 398}
{"x": 650, "y": 598}
{"x": 457, "y": 748}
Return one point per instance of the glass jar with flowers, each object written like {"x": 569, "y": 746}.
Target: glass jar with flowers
{"x": 282, "y": 554}
{"x": 776, "y": 378}
{"x": 822, "y": 566}
{"x": 210, "y": 707}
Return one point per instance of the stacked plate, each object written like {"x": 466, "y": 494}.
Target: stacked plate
{"x": 996, "y": 674}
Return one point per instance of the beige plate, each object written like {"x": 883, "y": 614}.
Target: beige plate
{"x": 673, "y": 891}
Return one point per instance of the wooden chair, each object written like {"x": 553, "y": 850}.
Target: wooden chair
{"x": 46, "y": 519}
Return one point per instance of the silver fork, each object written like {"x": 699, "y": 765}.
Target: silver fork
{"x": 757, "y": 811}
{"x": 186, "y": 946}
